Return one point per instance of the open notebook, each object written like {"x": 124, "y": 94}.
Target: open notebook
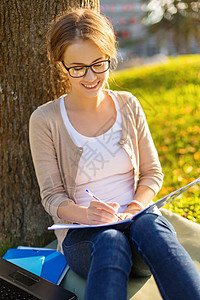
{"x": 160, "y": 203}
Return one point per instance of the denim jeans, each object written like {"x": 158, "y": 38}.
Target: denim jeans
{"x": 105, "y": 256}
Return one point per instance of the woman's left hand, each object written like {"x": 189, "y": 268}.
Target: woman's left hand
{"x": 128, "y": 215}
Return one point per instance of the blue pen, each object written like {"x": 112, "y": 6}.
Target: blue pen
{"x": 96, "y": 198}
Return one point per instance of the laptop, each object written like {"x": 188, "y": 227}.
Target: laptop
{"x": 17, "y": 283}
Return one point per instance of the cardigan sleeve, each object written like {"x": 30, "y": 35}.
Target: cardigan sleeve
{"x": 45, "y": 163}
{"x": 150, "y": 171}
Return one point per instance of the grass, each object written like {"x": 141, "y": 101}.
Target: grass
{"x": 169, "y": 94}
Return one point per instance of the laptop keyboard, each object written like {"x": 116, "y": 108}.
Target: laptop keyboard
{"x": 9, "y": 291}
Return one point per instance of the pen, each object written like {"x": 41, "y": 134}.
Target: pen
{"x": 96, "y": 198}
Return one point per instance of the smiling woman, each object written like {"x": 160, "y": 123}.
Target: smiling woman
{"x": 87, "y": 70}
{"x": 88, "y": 26}
{"x": 98, "y": 139}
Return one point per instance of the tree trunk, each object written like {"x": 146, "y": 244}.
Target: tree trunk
{"x": 24, "y": 85}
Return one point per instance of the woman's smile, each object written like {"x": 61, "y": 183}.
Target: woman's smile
{"x": 90, "y": 86}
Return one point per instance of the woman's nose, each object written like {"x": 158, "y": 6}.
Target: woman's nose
{"x": 90, "y": 75}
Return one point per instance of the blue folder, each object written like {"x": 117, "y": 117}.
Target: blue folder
{"x": 49, "y": 264}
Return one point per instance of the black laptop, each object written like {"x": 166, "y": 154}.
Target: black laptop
{"x": 17, "y": 283}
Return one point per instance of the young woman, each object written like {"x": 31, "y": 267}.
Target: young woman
{"x": 97, "y": 139}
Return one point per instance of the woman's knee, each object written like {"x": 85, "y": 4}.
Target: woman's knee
{"x": 112, "y": 246}
{"x": 112, "y": 239}
{"x": 151, "y": 227}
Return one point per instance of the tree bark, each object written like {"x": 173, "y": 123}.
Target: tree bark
{"x": 24, "y": 85}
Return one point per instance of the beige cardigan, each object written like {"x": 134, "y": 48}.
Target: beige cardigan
{"x": 56, "y": 157}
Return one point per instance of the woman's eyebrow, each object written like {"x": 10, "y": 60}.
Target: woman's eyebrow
{"x": 84, "y": 64}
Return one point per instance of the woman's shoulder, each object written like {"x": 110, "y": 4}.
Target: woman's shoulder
{"x": 124, "y": 94}
{"x": 126, "y": 97}
{"x": 46, "y": 110}
{"x": 129, "y": 104}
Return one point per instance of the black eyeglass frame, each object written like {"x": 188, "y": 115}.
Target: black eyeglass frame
{"x": 87, "y": 67}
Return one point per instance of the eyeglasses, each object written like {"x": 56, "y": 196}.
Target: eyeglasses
{"x": 80, "y": 71}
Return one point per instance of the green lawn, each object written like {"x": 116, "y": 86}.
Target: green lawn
{"x": 169, "y": 94}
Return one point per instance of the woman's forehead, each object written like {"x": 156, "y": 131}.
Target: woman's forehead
{"x": 82, "y": 52}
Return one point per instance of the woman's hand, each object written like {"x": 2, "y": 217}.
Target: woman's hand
{"x": 129, "y": 213}
{"x": 99, "y": 212}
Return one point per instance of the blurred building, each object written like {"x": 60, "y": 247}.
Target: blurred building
{"x": 128, "y": 19}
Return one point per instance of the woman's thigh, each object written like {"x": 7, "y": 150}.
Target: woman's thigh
{"x": 147, "y": 236}
{"x": 146, "y": 230}
{"x": 77, "y": 248}
{"x": 79, "y": 245}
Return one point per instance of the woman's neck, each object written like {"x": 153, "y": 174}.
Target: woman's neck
{"x": 81, "y": 103}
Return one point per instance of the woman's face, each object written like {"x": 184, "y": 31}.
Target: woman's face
{"x": 84, "y": 53}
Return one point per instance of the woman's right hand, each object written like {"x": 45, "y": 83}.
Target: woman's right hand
{"x": 99, "y": 212}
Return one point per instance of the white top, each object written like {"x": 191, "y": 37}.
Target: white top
{"x": 104, "y": 167}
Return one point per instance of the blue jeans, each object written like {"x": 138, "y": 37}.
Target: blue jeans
{"x": 106, "y": 256}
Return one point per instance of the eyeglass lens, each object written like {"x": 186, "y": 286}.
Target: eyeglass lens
{"x": 98, "y": 67}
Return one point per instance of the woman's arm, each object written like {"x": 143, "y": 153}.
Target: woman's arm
{"x": 143, "y": 195}
{"x": 150, "y": 171}
{"x": 97, "y": 213}
{"x": 45, "y": 162}
{"x": 54, "y": 197}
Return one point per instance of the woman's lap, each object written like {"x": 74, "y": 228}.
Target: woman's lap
{"x": 105, "y": 253}
{"x": 79, "y": 243}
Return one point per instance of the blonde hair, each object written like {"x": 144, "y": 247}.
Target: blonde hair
{"x": 81, "y": 23}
